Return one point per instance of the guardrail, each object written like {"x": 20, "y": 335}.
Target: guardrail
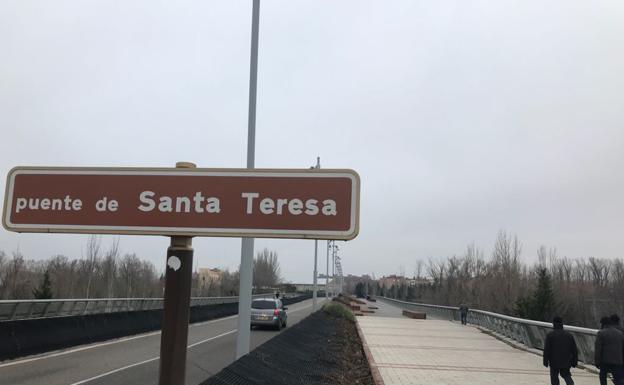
{"x": 528, "y": 332}
{"x": 42, "y": 308}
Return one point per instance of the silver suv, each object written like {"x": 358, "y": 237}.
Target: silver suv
{"x": 268, "y": 312}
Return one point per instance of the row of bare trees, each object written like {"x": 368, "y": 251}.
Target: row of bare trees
{"x": 225, "y": 286}
{"x": 101, "y": 273}
{"x": 580, "y": 290}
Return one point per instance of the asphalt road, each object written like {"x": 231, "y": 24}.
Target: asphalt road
{"x": 134, "y": 360}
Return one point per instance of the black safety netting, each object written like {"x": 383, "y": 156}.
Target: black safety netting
{"x": 318, "y": 350}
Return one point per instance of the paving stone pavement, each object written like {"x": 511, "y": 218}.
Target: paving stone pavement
{"x": 418, "y": 352}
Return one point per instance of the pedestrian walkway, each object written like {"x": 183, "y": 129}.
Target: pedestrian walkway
{"x": 425, "y": 352}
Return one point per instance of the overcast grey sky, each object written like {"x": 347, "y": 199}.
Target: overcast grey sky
{"x": 461, "y": 117}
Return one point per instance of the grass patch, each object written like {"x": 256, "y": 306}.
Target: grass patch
{"x": 336, "y": 309}
{"x": 342, "y": 299}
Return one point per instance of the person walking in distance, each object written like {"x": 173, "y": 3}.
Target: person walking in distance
{"x": 560, "y": 353}
{"x": 463, "y": 312}
{"x": 609, "y": 352}
{"x": 615, "y": 320}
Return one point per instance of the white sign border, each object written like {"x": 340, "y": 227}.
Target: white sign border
{"x": 349, "y": 234}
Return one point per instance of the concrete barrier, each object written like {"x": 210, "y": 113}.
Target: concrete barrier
{"x": 414, "y": 314}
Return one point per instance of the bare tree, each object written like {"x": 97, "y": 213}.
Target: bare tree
{"x": 62, "y": 276}
{"x": 3, "y": 274}
{"x": 14, "y": 279}
{"x": 542, "y": 256}
{"x": 109, "y": 268}
{"x": 101, "y": 277}
{"x": 506, "y": 262}
{"x": 418, "y": 270}
{"x": 599, "y": 270}
{"x": 266, "y": 269}
{"x": 90, "y": 264}
{"x": 129, "y": 272}
{"x": 229, "y": 283}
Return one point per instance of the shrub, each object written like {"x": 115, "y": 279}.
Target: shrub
{"x": 337, "y": 310}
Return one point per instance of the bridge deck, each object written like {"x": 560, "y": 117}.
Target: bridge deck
{"x": 415, "y": 352}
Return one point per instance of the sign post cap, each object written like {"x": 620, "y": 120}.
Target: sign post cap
{"x": 185, "y": 165}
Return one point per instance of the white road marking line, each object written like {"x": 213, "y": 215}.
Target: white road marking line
{"x": 115, "y": 371}
{"x": 101, "y": 344}
{"x": 149, "y": 360}
{"x": 65, "y": 352}
{"x": 156, "y": 358}
{"x": 211, "y": 338}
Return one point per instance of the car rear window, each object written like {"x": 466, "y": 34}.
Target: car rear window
{"x": 263, "y": 305}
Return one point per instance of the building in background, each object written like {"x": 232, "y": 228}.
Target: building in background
{"x": 208, "y": 277}
{"x": 396, "y": 280}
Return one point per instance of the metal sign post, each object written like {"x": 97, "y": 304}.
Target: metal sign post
{"x": 174, "y": 335}
{"x": 178, "y": 280}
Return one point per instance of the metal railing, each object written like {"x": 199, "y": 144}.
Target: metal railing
{"x": 41, "y": 308}
{"x": 528, "y": 332}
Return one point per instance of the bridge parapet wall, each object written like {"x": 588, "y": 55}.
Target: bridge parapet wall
{"x": 44, "y": 308}
{"x": 528, "y": 332}
{"x": 22, "y": 337}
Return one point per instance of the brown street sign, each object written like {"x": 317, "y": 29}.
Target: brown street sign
{"x": 270, "y": 203}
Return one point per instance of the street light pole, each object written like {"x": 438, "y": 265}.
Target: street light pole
{"x": 247, "y": 246}
{"x": 334, "y": 268}
{"x": 327, "y": 272}
{"x": 315, "y": 286}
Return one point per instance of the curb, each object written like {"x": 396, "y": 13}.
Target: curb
{"x": 369, "y": 357}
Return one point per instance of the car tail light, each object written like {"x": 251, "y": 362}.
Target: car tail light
{"x": 276, "y": 312}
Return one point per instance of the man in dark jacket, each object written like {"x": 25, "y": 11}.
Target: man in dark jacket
{"x": 615, "y": 320}
{"x": 609, "y": 352}
{"x": 560, "y": 353}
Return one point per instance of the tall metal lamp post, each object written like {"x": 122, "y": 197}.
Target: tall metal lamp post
{"x": 315, "y": 279}
{"x": 243, "y": 337}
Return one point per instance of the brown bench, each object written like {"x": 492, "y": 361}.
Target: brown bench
{"x": 414, "y": 314}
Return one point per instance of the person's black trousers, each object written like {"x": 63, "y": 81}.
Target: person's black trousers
{"x": 463, "y": 318}
{"x": 564, "y": 373}
{"x": 616, "y": 372}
